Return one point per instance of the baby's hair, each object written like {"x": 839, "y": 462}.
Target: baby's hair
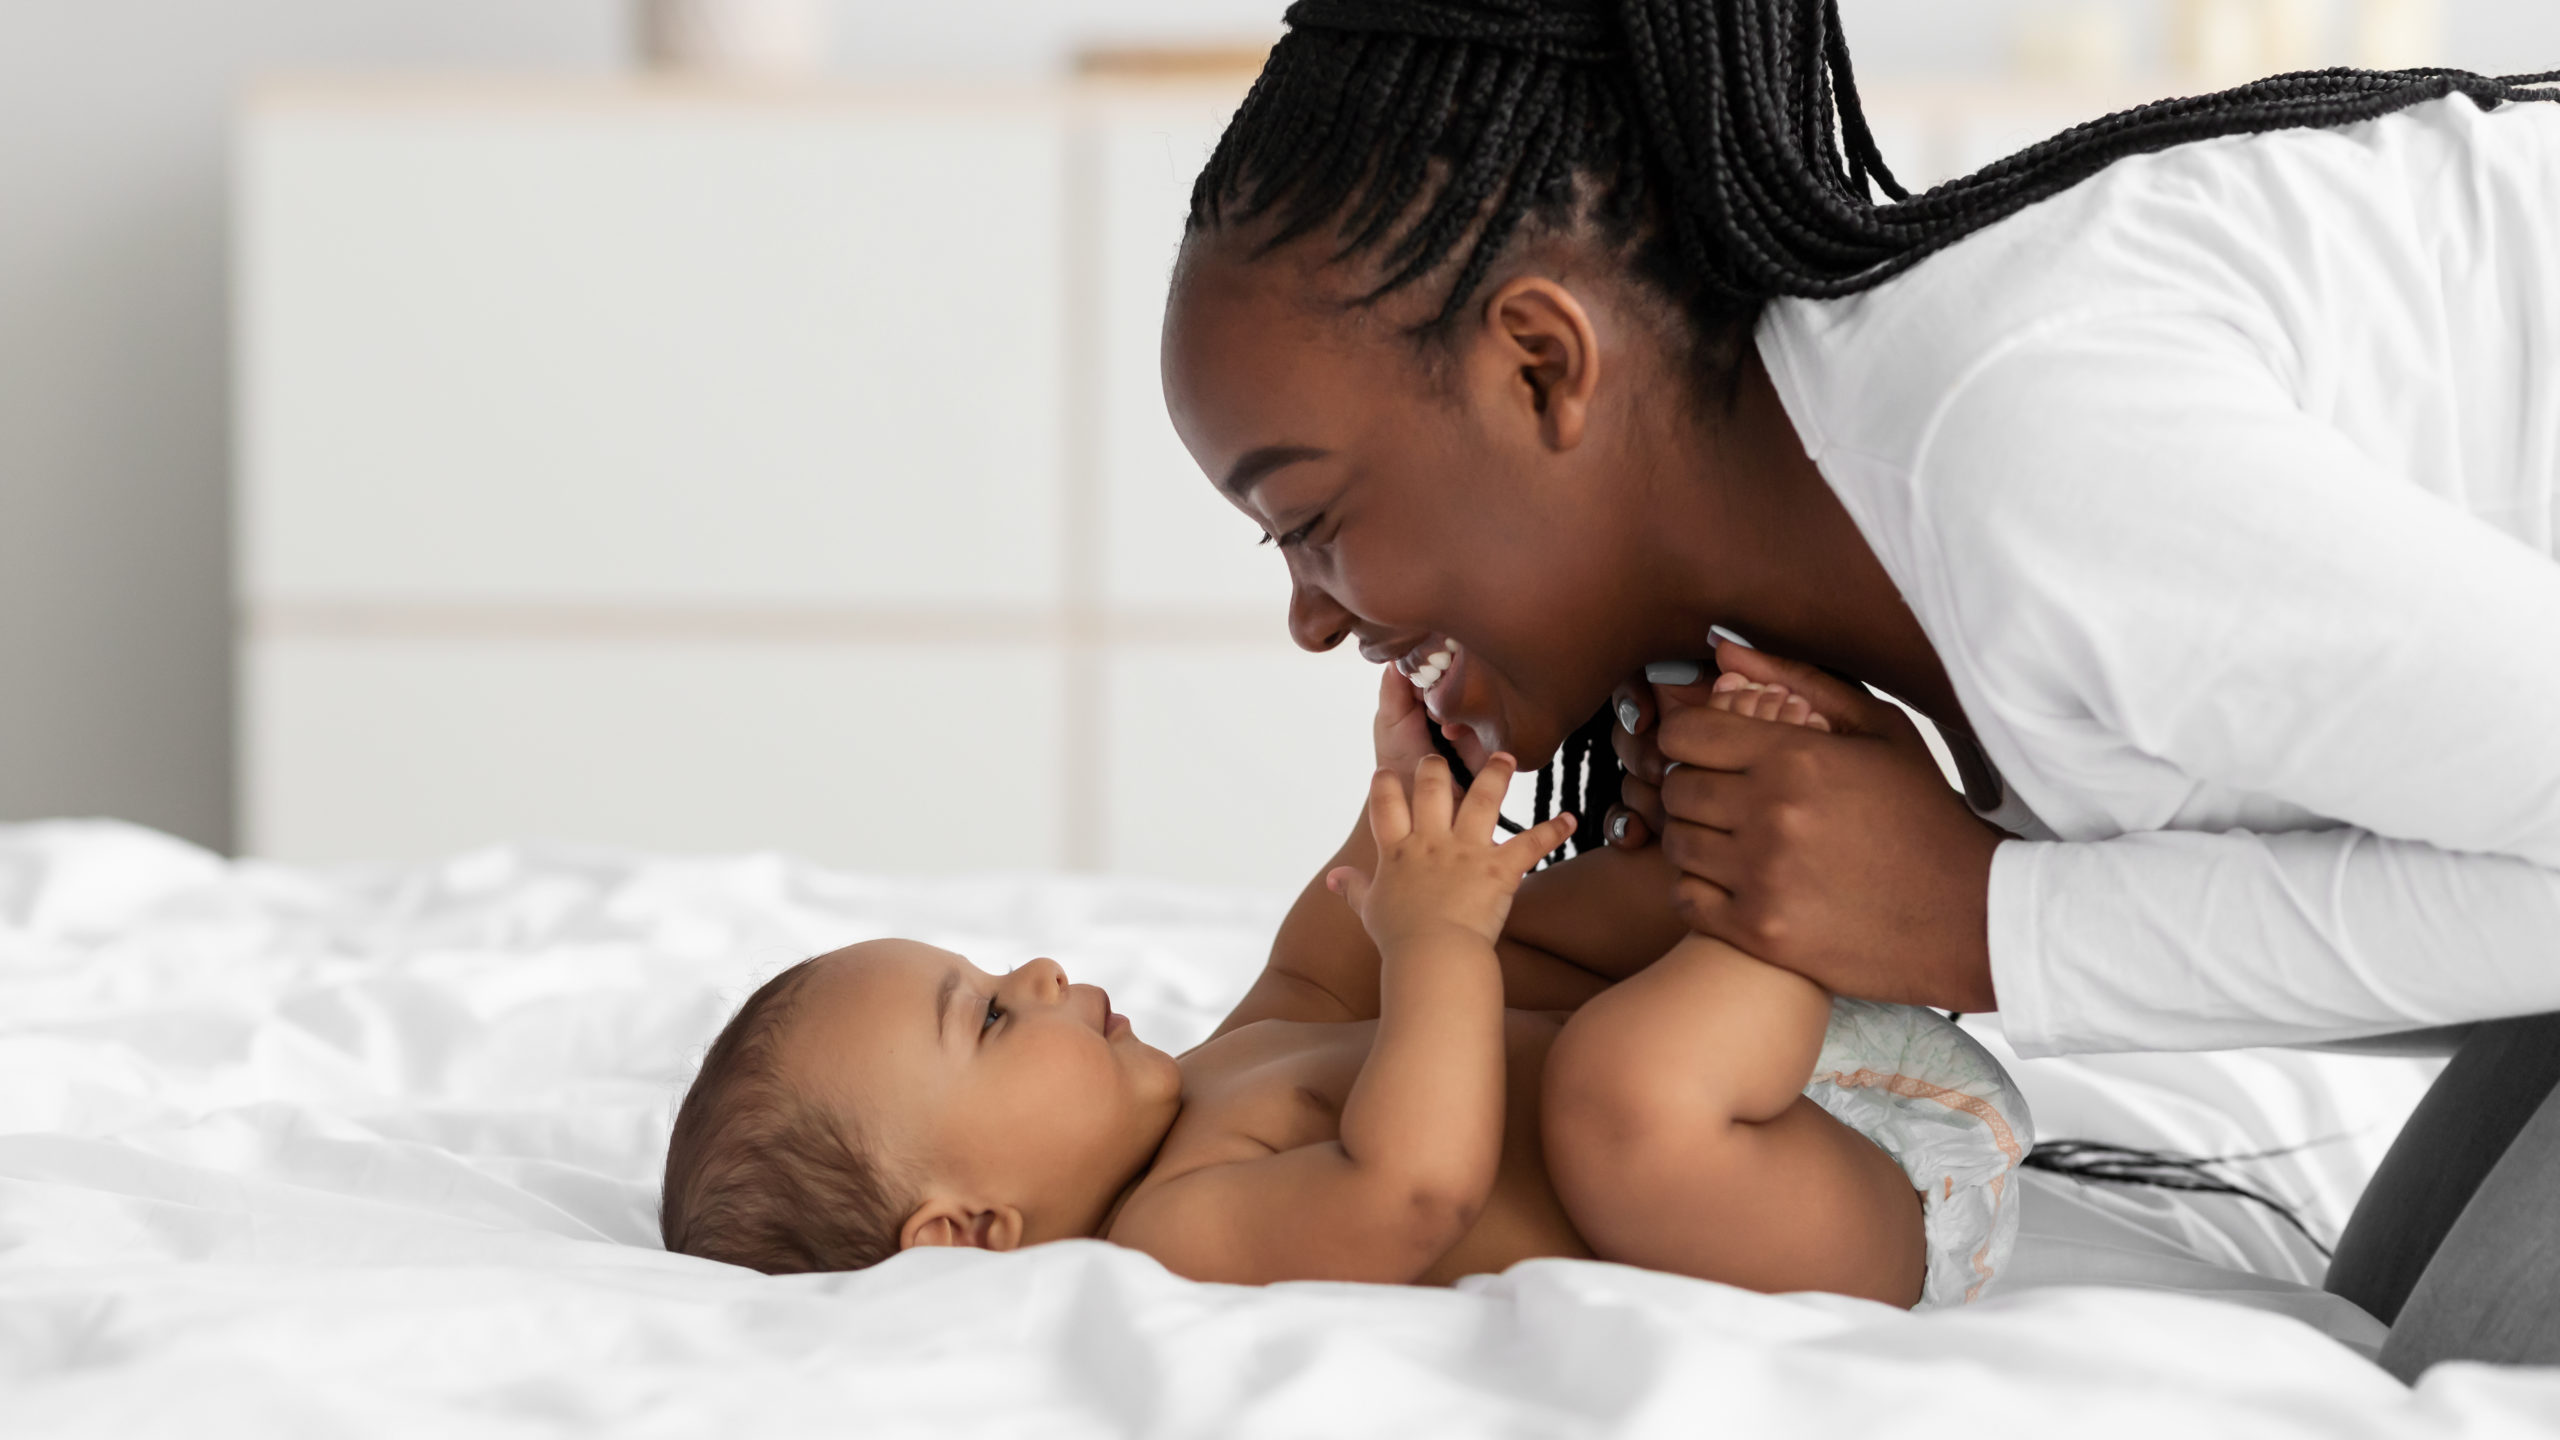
{"x": 761, "y": 1177}
{"x": 1717, "y": 148}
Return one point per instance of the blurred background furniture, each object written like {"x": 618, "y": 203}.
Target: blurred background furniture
{"x": 711, "y": 467}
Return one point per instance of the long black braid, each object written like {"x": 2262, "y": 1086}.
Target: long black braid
{"x": 1585, "y": 769}
{"x": 1727, "y": 131}
{"x": 2161, "y": 1170}
{"x": 1717, "y": 147}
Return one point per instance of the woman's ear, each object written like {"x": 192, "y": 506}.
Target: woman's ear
{"x": 1549, "y": 354}
{"x": 944, "y": 1221}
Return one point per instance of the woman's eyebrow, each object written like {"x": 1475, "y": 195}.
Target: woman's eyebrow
{"x": 1248, "y": 471}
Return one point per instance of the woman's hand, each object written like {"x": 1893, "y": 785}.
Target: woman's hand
{"x": 1843, "y": 856}
{"x": 1752, "y": 684}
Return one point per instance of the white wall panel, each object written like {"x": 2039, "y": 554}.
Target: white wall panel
{"x": 626, "y": 344}
{"x": 1234, "y": 767}
{"x": 1167, "y": 536}
{"x": 881, "y": 757}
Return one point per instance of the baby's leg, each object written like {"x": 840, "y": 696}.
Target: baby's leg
{"x": 1678, "y": 1136}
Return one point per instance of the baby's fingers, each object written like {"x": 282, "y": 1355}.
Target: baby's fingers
{"x": 1483, "y": 803}
{"x": 1523, "y": 851}
{"x": 1390, "y": 818}
{"x": 1433, "y": 796}
{"x": 1352, "y": 886}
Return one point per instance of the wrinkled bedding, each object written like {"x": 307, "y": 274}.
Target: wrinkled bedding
{"x": 374, "y": 1150}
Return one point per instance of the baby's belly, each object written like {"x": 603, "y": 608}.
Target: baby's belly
{"x": 1522, "y": 1219}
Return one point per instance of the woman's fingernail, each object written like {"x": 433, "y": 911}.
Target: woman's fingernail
{"x": 1673, "y": 672}
{"x": 1729, "y": 637}
{"x": 1618, "y": 828}
{"x": 1629, "y": 715}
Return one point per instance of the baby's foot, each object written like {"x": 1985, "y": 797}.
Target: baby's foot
{"x": 1755, "y": 701}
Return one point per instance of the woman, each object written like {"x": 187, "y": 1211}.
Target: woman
{"x": 2197, "y": 473}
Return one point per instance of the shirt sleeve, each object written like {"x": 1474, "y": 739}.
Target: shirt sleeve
{"x": 2152, "y": 556}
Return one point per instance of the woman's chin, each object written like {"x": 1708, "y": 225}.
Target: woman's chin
{"x": 1474, "y": 740}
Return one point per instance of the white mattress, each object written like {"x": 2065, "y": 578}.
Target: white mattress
{"x": 374, "y": 1151}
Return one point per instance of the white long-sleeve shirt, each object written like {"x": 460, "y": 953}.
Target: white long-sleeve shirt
{"x": 2227, "y": 487}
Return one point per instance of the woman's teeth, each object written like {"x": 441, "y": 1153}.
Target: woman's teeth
{"x": 1434, "y": 665}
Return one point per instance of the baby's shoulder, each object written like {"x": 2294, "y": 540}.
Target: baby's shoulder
{"x": 1255, "y": 1092}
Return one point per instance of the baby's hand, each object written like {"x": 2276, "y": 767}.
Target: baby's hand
{"x": 1439, "y": 870}
{"x": 1401, "y": 733}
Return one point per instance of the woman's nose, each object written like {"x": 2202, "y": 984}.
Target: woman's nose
{"x": 1315, "y": 621}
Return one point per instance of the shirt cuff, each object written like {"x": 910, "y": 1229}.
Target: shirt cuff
{"x": 2025, "y": 1000}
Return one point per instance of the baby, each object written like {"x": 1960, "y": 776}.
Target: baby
{"x": 1466, "y": 1066}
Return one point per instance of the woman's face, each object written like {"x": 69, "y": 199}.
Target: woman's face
{"x": 1417, "y": 500}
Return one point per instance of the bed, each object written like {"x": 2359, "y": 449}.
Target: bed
{"x": 374, "y": 1150}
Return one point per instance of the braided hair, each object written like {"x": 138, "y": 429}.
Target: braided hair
{"x": 1716, "y": 147}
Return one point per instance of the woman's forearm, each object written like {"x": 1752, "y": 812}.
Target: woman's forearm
{"x": 1607, "y": 912}
{"x": 2188, "y": 941}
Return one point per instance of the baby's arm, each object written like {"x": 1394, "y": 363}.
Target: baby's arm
{"x": 1574, "y": 927}
{"x": 1420, "y": 1136}
{"x": 1324, "y": 966}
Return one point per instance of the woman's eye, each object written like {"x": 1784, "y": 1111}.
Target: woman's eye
{"x": 994, "y": 1011}
{"x": 1294, "y": 536}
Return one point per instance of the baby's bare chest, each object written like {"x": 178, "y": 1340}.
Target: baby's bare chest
{"x": 1279, "y": 1085}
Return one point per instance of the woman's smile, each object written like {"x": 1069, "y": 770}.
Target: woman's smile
{"x": 1429, "y": 666}
{"x": 1445, "y": 684}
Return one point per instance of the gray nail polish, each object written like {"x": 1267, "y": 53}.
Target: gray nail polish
{"x": 1618, "y": 828}
{"x": 1673, "y": 672}
{"x": 1628, "y": 715}
{"x": 1729, "y": 637}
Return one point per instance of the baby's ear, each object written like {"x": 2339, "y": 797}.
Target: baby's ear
{"x": 948, "y": 1222}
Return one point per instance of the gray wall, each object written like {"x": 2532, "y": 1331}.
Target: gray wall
{"x": 114, "y": 627}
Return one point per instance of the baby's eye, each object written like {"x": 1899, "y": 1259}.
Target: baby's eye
{"x": 993, "y": 1012}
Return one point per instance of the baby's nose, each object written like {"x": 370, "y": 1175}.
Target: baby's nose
{"x": 1045, "y": 977}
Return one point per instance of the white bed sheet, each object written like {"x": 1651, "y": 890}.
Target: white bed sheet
{"x": 374, "y": 1151}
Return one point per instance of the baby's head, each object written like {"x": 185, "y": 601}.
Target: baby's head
{"x": 892, "y": 1094}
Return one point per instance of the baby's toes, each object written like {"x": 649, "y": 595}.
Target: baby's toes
{"x": 1771, "y": 702}
{"x": 1796, "y": 711}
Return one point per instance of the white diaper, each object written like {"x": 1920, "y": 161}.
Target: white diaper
{"x": 1913, "y": 1082}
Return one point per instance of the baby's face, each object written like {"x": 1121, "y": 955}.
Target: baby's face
{"x": 1017, "y": 1089}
